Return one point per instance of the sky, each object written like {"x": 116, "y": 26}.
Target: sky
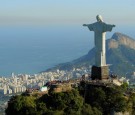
{"x": 65, "y": 12}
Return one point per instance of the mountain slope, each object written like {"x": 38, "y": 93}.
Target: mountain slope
{"x": 120, "y": 54}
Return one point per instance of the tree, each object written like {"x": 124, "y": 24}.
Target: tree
{"x": 124, "y": 87}
{"x": 115, "y": 99}
{"x": 41, "y": 108}
{"x": 21, "y": 105}
{"x": 96, "y": 97}
{"x": 131, "y": 103}
{"x": 98, "y": 100}
{"x": 69, "y": 102}
{"x": 106, "y": 99}
{"x": 88, "y": 110}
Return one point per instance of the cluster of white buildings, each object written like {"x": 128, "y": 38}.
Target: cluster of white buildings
{"x": 19, "y": 83}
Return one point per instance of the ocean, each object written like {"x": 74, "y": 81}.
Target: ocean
{"x": 32, "y": 49}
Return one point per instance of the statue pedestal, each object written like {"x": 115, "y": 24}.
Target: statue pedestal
{"x": 100, "y": 73}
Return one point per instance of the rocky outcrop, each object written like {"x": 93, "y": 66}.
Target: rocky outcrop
{"x": 120, "y": 39}
{"x": 112, "y": 43}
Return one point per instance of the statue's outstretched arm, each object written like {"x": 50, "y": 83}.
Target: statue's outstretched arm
{"x": 85, "y": 24}
{"x": 113, "y": 25}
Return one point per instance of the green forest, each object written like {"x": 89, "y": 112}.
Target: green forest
{"x": 95, "y": 101}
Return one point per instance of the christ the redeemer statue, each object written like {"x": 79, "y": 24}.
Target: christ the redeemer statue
{"x": 100, "y": 28}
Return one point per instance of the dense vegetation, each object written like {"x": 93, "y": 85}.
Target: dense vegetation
{"x": 98, "y": 101}
{"x": 64, "y": 103}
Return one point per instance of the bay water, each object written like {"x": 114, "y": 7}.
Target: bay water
{"x": 32, "y": 49}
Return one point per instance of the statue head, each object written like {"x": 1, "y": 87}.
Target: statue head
{"x": 99, "y": 18}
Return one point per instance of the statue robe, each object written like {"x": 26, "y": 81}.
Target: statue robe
{"x": 100, "y": 29}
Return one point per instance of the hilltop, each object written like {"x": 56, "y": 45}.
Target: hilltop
{"x": 120, "y": 53}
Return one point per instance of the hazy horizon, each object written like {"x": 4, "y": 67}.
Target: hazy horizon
{"x": 48, "y": 12}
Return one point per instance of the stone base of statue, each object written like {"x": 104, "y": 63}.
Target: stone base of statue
{"x": 100, "y": 73}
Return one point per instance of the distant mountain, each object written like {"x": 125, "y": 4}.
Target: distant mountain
{"x": 120, "y": 54}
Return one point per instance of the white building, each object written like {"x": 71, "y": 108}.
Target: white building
{"x": 2, "y": 91}
{"x": 9, "y": 91}
{"x": 44, "y": 88}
